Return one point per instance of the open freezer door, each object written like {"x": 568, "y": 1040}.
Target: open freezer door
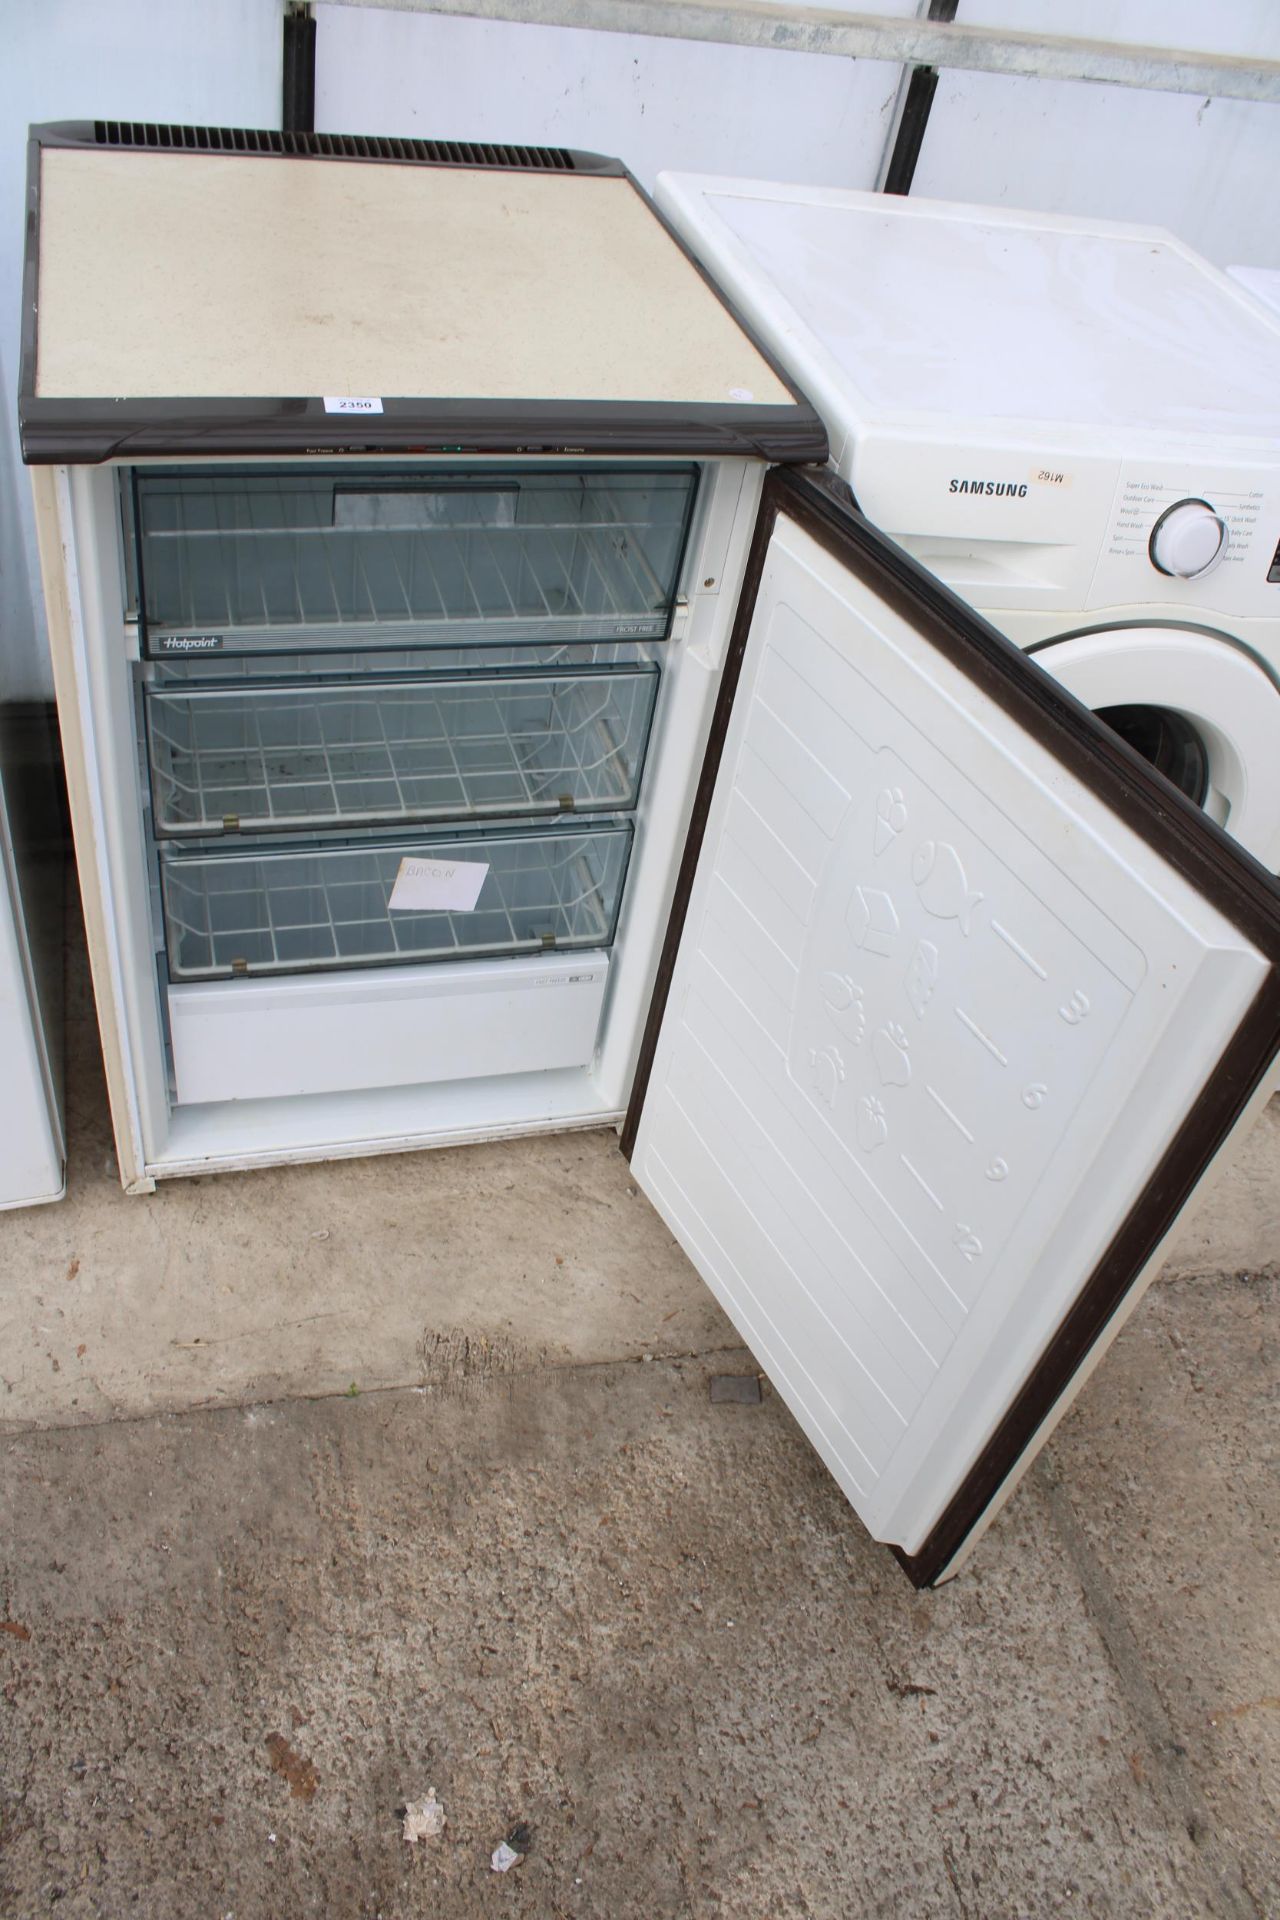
{"x": 959, "y": 1001}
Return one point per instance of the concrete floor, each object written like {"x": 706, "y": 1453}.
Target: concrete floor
{"x": 326, "y": 1487}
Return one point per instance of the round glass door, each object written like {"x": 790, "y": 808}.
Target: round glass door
{"x": 1200, "y": 709}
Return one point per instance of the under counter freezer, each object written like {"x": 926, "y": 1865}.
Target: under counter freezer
{"x": 484, "y": 714}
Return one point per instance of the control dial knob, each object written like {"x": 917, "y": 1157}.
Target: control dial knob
{"x": 1188, "y": 540}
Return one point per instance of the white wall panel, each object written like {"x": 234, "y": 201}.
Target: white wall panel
{"x": 655, "y": 103}
{"x": 1236, "y": 27}
{"x": 201, "y": 61}
{"x": 1204, "y": 168}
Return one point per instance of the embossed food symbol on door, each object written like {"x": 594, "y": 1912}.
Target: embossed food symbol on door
{"x": 921, "y": 976}
{"x": 871, "y": 1127}
{"x": 826, "y": 1071}
{"x": 889, "y": 1051}
{"x": 891, "y": 817}
{"x": 842, "y": 997}
{"x": 872, "y": 919}
{"x": 943, "y": 884}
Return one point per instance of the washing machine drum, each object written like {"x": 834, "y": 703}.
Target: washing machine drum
{"x": 1198, "y": 707}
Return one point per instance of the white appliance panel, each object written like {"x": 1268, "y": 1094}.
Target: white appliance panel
{"x": 32, "y": 1153}
{"x": 1262, "y": 282}
{"x": 935, "y": 1017}
{"x": 32, "y": 892}
{"x": 389, "y": 1027}
{"x": 930, "y": 308}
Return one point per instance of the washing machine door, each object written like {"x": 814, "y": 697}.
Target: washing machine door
{"x": 1195, "y": 704}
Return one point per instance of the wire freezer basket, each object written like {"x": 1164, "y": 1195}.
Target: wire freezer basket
{"x": 311, "y": 754}
{"x": 299, "y": 908}
{"x": 269, "y": 558}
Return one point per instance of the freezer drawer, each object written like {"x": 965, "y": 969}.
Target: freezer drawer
{"x": 250, "y": 1040}
{"x": 271, "y": 559}
{"x": 311, "y": 754}
{"x": 294, "y": 909}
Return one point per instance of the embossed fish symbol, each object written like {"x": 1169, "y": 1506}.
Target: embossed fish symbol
{"x": 943, "y": 883}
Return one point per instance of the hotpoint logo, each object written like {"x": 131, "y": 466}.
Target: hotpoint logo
{"x": 998, "y": 489}
{"x": 190, "y": 642}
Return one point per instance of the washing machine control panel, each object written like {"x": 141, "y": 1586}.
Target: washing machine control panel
{"x": 1188, "y": 540}
{"x": 1203, "y": 537}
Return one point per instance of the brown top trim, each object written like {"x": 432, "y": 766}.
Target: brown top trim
{"x": 57, "y": 432}
{"x": 89, "y": 431}
{"x": 1226, "y": 876}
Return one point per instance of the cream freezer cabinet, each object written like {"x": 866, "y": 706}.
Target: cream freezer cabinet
{"x": 924, "y": 1005}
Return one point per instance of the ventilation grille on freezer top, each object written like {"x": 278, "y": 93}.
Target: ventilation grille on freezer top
{"x": 346, "y": 146}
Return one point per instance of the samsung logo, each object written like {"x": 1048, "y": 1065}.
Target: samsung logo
{"x": 999, "y": 489}
{"x": 190, "y": 642}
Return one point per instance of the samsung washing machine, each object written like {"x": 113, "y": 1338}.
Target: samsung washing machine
{"x": 1074, "y": 424}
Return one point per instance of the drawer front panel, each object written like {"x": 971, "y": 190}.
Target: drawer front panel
{"x": 314, "y": 754}
{"x": 279, "y": 1038}
{"x": 281, "y": 559}
{"x": 295, "y": 909}
{"x": 201, "y": 671}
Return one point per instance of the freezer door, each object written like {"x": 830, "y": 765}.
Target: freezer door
{"x": 959, "y": 1002}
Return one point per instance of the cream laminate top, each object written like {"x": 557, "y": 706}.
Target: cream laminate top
{"x": 193, "y": 275}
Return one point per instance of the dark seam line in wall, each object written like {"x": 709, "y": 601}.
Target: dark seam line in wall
{"x": 916, "y": 109}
